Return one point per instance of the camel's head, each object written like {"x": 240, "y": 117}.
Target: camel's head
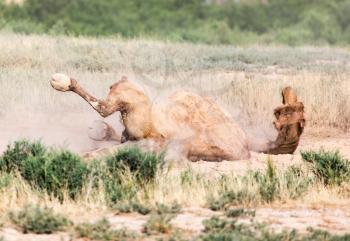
{"x": 61, "y": 82}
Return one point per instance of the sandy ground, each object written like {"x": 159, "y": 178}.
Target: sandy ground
{"x": 61, "y": 132}
{"x": 190, "y": 222}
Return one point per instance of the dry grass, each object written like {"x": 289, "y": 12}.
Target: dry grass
{"x": 174, "y": 186}
{"x": 245, "y": 80}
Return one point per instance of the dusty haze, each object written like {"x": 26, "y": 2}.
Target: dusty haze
{"x": 245, "y": 81}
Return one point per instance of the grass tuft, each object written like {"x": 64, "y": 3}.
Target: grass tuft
{"x": 39, "y": 220}
{"x": 269, "y": 183}
{"x": 102, "y": 231}
{"x": 133, "y": 206}
{"x": 158, "y": 223}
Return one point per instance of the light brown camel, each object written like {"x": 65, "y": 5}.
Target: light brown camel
{"x": 205, "y": 131}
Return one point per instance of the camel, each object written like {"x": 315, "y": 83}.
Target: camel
{"x": 205, "y": 130}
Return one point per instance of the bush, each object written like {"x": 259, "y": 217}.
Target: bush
{"x": 39, "y": 220}
{"x": 127, "y": 171}
{"x": 54, "y": 171}
{"x": 12, "y": 158}
{"x": 142, "y": 164}
{"x": 328, "y": 166}
{"x": 102, "y": 231}
{"x": 117, "y": 190}
{"x": 217, "y": 224}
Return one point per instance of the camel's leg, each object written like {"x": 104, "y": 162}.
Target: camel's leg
{"x": 289, "y": 123}
{"x": 64, "y": 83}
{"x": 101, "y": 131}
{"x": 103, "y": 107}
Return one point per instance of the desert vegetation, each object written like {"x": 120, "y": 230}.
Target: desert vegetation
{"x": 292, "y": 22}
{"x": 240, "y": 55}
{"x": 133, "y": 181}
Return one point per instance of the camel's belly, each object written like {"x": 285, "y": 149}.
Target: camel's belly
{"x": 202, "y": 125}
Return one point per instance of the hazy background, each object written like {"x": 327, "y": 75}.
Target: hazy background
{"x": 239, "y": 53}
{"x": 292, "y": 22}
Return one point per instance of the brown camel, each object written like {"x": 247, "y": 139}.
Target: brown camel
{"x": 205, "y": 131}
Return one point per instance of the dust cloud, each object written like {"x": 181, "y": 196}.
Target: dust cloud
{"x": 67, "y": 126}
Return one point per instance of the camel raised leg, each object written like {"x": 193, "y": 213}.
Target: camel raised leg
{"x": 63, "y": 83}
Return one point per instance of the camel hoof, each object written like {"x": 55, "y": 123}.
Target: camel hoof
{"x": 98, "y": 131}
{"x": 60, "y": 82}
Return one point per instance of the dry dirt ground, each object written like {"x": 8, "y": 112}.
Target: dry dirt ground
{"x": 332, "y": 217}
{"x": 189, "y": 221}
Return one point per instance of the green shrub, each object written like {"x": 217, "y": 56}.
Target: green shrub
{"x": 102, "y": 231}
{"x": 54, "y": 171}
{"x": 328, "y": 166}
{"x": 217, "y": 224}
{"x": 65, "y": 170}
{"x": 12, "y": 158}
{"x": 127, "y": 171}
{"x": 142, "y": 164}
{"x": 39, "y": 220}
{"x": 118, "y": 189}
